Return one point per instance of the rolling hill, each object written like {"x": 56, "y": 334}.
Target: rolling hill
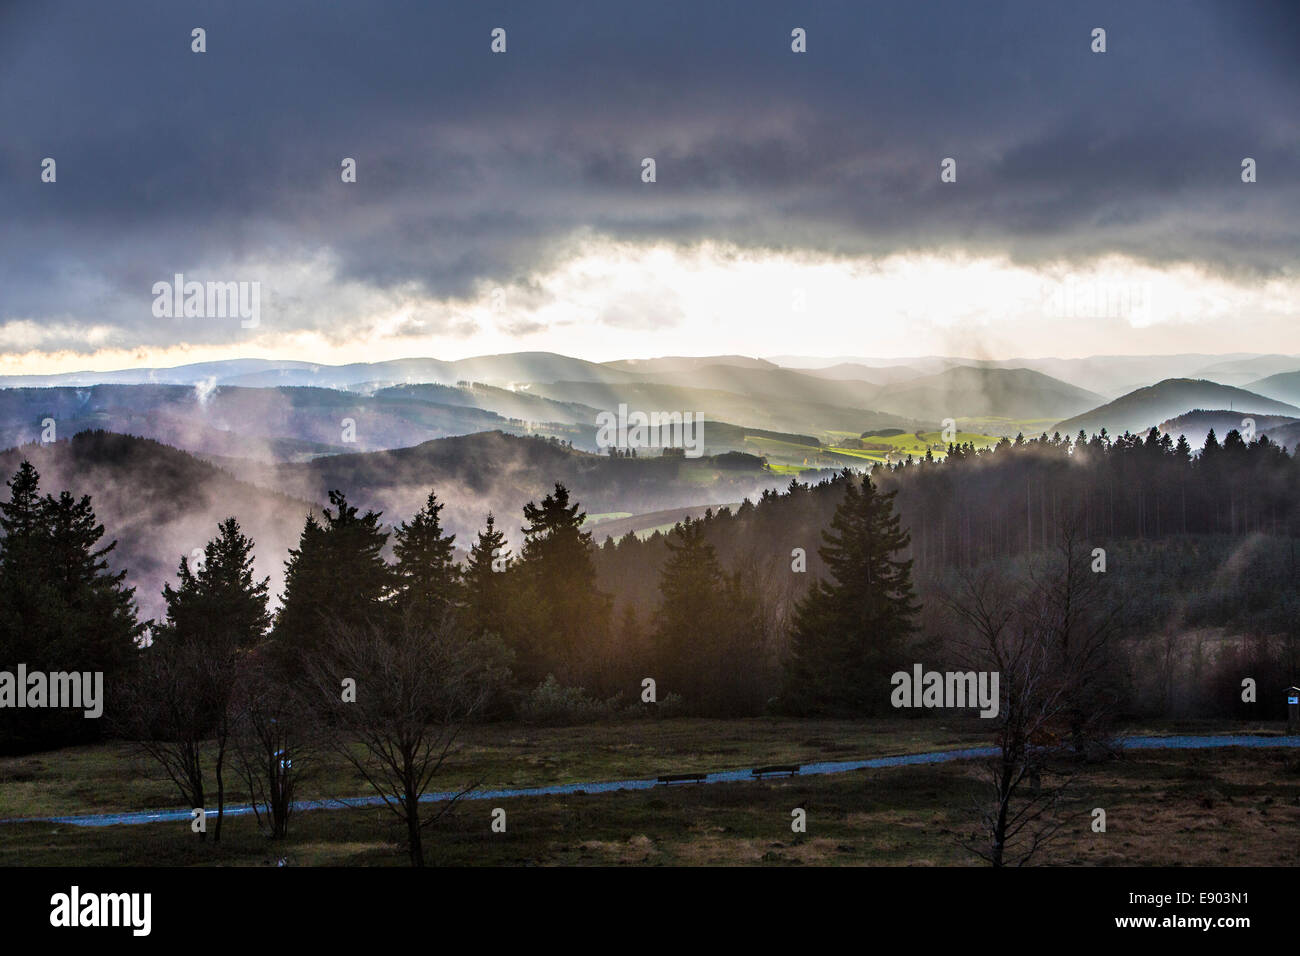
{"x": 160, "y": 503}
{"x": 1283, "y": 387}
{"x": 1196, "y": 425}
{"x": 1288, "y": 436}
{"x": 770, "y": 412}
{"x": 505, "y": 369}
{"x": 684, "y": 363}
{"x": 1246, "y": 372}
{"x": 494, "y": 471}
{"x": 1147, "y": 407}
{"x": 1109, "y": 375}
{"x": 263, "y": 423}
{"x": 775, "y": 383}
{"x": 299, "y": 423}
{"x": 294, "y": 411}
{"x": 874, "y": 374}
{"x": 965, "y": 392}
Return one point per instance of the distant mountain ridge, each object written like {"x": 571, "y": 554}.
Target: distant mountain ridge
{"x": 292, "y": 410}
{"x": 1196, "y": 425}
{"x": 1145, "y": 408}
{"x": 1109, "y": 375}
{"x": 160, "y": 502}
{"x": 504, "y": 369}
{"x": 1284, "y": 387}
{"x": 267, "y": 423}
{"x": 964, "y": 392}
{"x": 494, "y": 471}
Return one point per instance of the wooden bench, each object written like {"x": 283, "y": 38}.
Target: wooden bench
{"x": 775, "y": 769}
{"x": 681, "y": 778}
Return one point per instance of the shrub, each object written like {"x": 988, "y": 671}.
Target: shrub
{"x": 674, "y": 705}
{"x": 552, "y": 705}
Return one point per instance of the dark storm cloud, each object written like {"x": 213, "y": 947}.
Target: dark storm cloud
{"x": 474, "y": 169}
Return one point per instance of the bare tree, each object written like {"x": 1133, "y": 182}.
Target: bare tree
{"x": 1017, "y": 821}
{"x": 1079, "y": 617}
{"x": 176, "y": 701}
{"x": 1047, "y": 642}
{"x": 271, "y": 742}
{"x": 415, "y": 687}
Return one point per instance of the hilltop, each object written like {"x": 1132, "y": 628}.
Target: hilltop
{"x": 1145, "y": 408}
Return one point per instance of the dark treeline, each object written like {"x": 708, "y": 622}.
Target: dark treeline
{"x": 803, "y": 601}
{"x": 1012, "y": 498}
{"x": 1192, "y": 541}
{"x": 1009, "y": 500}
{"x": 61, "y": 607}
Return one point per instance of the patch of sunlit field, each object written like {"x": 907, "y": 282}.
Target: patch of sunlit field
{"x": 898, "y": 447}
{"x": 1233, "y": 807}
{"x": 793, "y": 455}
{"x": 1009, "y": 427}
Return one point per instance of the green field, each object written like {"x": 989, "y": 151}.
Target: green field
{"x": 898, "y": 447}
{"x": 791, "y": 458}
{"x": 792, "y": 454}
{"x": 1010, "y": 427}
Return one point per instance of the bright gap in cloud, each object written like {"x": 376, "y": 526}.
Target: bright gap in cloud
{"x": 625, "y": 300}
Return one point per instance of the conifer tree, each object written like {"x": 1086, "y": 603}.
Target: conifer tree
{"x": 216, "y": 613}
{"x": 486, "y": 588}
{"x": 97, "y": 606}
{"x": 850, "y": 630}
{"x": 61, "y": 607}
{"x": 220, "y": 604}
{"x": 336, "y": 577}
{"x": 692, "y": 614}
{"x": 558, "y": 581}
{"x": 427, "y": 576}
{"x": 23, "y": 581}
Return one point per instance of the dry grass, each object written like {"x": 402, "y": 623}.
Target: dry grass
{"x": 1229, "y": 807}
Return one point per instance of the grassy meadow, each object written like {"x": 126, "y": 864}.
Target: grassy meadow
{"x": 1224, "y": 807}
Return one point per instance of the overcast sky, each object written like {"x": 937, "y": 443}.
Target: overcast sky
{"x": 499, "y": 204}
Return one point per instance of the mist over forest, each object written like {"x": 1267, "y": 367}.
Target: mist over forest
{"x": 165, "y": 463}
{"x": 690, "y": 435}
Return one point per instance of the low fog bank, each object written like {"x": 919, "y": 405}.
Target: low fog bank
{"x": 500, "y": 473}
{"x": 160, "y": 504}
